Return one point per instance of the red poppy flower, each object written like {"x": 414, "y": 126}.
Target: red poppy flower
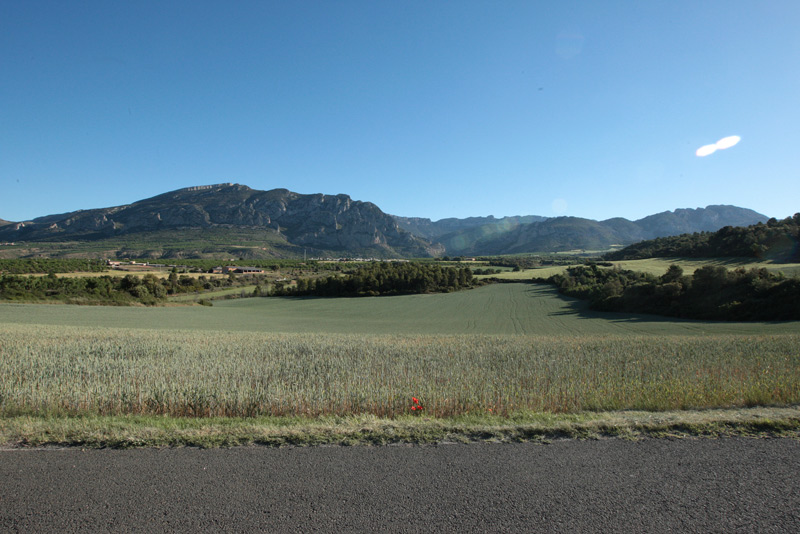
{"x": 416, "y": 400}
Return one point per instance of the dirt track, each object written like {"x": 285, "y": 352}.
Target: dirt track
{"x": 726, "y": 485}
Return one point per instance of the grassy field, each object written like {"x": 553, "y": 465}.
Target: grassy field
{"x": 128, "y": 431}
{"x": 505, "y": 361}
{"x": 658, "y": 266}
{"x": 499, "y": 309}
{"x": 206, "y": 295}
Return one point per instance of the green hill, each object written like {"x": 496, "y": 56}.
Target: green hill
{"x": 778, "y": 241}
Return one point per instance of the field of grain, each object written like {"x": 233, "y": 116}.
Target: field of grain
{"x": 102, "y": 371}
{"x": 500, "y": 349}
{"x": 499, "y": 309}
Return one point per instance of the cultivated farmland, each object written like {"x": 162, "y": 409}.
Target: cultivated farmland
{"x": 659, "y": 266}
{"x": 500, "y": 309}
{"x": 504, "y": 349}
{"x": 84, "y": 370}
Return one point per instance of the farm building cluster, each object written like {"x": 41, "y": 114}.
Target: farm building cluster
{"x": 146, "y": 266}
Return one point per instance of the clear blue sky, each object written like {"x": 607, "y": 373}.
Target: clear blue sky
{"x": 426, "y": 108}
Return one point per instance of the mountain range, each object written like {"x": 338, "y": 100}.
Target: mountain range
{"x": 210, "y": 220}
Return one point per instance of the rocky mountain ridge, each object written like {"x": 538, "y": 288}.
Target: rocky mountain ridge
{"x": 336, "y": 224}
{"x": 316, "y": 222}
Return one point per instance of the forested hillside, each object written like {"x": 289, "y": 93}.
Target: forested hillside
{"x": 774, "y": 240}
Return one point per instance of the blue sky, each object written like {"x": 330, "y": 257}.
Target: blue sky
{"x": 426, "y": 108}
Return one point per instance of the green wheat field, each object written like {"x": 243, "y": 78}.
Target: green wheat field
{"x": 501, "y": 349}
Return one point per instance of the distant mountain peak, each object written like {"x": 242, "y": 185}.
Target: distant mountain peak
{"x": 339, "y": 225}
{"x": 212, "y": 186}
{"x": 325, "y": 223}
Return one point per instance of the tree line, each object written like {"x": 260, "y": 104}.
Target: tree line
{"x": 381, "y": 278}
{"x": 712, "y": 293}
{"x": 113, "y": 290}
{"x": 50, "y": 265}
{"x": 776, "y": 240}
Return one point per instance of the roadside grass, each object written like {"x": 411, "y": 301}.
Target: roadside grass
{"x": 158, "y": 431}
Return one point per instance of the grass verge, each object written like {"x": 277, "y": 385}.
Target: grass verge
{"x": 158, "y": 431}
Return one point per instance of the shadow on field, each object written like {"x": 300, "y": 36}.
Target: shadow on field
{"x": 580, "y": 309}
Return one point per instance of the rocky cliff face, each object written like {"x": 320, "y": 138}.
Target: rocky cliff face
{"x": 321, "y": 222}
{"x": 338, "y": 224}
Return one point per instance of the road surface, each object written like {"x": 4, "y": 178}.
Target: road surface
{"x": 691, "y": 485}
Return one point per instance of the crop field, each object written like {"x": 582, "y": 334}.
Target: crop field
{"x": 499, "y": 309}
{"x": 220, "y": 293}
{"x": 658, "y": 266}
{"x": 112, "y": 371}
{"x": 502, "y": 350}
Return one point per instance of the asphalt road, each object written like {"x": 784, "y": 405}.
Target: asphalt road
{"x": 697, "y": 485}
